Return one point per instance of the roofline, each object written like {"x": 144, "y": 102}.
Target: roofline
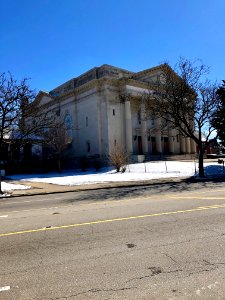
{"x": 148, "y": 70}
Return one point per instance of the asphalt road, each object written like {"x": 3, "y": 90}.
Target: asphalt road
{"x": 161, "y": 242}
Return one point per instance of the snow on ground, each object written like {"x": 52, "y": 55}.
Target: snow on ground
{"x": 10, "y": 186}
{"x": 134, "y": 172}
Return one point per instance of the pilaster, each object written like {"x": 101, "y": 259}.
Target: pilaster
{"x": 193, "y": 146}
{"x": 188, "y": 145}
{"x": 144, "y": 129}
{"x": 158, "y": 137}
{"x": 182, "y": 144}
{"x": 128, "y": 127}
{"x": 171, "y": 140}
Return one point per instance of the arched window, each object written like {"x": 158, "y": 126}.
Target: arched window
{"x": 69, "y": 125}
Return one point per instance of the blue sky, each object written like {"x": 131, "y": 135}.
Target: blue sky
{"x": 51, "y": 41}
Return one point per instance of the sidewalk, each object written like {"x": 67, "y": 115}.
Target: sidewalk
{"x": 39, "y": 188}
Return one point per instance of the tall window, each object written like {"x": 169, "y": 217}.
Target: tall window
{"x": 86, "y": 121}
{"x": 68, "y": 121}
{"x": 57, "y": 112}
{"x": 153, "y": 121}
{"x": 139, "y": 116}
{"x": 88, "y": 145}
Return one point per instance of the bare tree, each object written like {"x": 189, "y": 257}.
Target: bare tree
{"x": 118, "y": 158}
{"x": 219, "y": 118}
{"x": 58, "y": 140}
{"x": 13, "y": 96}
{"x": 20, "y": 116}
{"x": 187, "y": 101}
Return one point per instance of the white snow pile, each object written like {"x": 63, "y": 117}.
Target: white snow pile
{"x": 134, "y": 172}
{"x": 10, "y": 186}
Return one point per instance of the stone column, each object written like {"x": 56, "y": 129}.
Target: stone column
{"x": 171, "y": 140}
{"x": 144, "y": 130}
{"x": 128, "y": 127}
{"x": 182, "y": 144}
{"x": 158, "y": 136}
{"x": 188, "y": 145}
{"x": 193, "y": 146}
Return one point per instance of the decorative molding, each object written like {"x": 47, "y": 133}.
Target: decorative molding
{"x": 100, "y": 83}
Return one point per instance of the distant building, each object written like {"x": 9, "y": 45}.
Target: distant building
{"x": 97, "y": 117}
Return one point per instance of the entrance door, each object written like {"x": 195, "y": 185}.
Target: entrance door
{"x": 153, "y": 142}
{"x": 27, "y": 151}
{"x": 166, "y": 145}
{"x": 139, "y": 145}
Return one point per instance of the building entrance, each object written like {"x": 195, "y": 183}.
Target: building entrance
{"x": 140, "y": 150}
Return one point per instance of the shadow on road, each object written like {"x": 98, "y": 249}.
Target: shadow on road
{"x": 162, "y": 188}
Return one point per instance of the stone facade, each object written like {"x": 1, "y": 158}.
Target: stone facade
{"x": 98, "y": 116}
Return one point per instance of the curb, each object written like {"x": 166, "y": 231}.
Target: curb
{"x": 115, "y": 185}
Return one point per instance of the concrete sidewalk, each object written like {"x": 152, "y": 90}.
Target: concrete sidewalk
{"x": 39, "y": 188}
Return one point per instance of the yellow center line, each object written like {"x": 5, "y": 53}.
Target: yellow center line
{"x": 114, "y": 220}
{"x": 200, "y": 192}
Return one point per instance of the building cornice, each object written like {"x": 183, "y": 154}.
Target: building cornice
{"x": 147, "y": 71}
{"x": 98, "y": 84}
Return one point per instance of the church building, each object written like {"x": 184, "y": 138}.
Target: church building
{"x": 100, "y": 109}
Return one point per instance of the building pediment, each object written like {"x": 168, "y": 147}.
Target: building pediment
{"x": 149, "y": 76}
{"x": 43, "y": 98}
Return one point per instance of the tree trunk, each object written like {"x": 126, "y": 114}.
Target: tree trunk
{"x": 1, "y": 192}
{"x": 200, "y": 163}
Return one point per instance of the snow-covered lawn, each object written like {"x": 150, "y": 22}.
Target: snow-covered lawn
{"x": 134, "y": 172}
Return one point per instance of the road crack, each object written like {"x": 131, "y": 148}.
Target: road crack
{"x": 155, "y": 271}
{"x": 170, "y": 257}
{"x": 94, "y": 291}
